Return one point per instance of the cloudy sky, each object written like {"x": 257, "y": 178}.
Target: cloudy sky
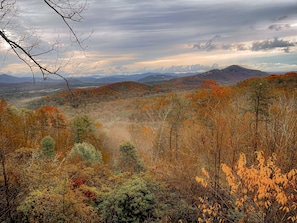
{"x": 134, "y": 36}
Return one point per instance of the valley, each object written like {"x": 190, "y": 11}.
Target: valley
{"x": 183, "y": 148}
{"x": 15, "y": 89}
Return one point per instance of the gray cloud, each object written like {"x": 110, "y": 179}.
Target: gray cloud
{"x": 139, "y": 25}
{"x": 271, "y": 44}
{"x": 236, "y": 46}
{"x": 287, "y": 50}
{"x": 263, "y": 45}
{"x": 280, "y": 18}
{"x": 129, "y": 25}
{"x": 188, "y": 68}
{"x": 175, "y": 69}
{"x": 156, "y": 29}
{"x": 207, "y": 45}
{"x": 278, "y": 27}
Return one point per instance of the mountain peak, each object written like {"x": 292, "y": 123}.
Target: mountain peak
{"x": 234, "y": 68}
{"x": 5, "y": 78}
{"x": 228, "y": 75}
{"x": 235, "y": 73}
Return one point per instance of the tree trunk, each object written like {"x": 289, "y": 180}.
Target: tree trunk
{"x": 6, "y": 186}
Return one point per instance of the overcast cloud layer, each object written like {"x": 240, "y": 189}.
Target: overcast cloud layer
{"x": 132, "y": 36}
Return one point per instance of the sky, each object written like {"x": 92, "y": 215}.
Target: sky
{"x": 164, "y": 36}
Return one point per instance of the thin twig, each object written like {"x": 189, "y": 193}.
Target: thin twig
{"x": 54, "y": 7}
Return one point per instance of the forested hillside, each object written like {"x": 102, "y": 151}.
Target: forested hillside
{"x": 132, "y": 153}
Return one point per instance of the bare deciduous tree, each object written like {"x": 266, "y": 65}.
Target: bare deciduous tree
{"x": 28, "y": 47}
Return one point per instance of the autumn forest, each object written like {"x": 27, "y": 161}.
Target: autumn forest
{"x": 130, "y": 152}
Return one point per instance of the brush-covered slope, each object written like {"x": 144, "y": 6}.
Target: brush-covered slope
{"x": 110, "y": 92}
{"x": 286, "y": 81}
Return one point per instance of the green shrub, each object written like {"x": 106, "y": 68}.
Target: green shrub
{"x": 86, "y": 152}
{"x": 128, "y": 160}
{"x": 131, "y": 202}
{"x": 48, "y": 205}
{"x": 48, "y": 147}
{"x": 82, "y": 126}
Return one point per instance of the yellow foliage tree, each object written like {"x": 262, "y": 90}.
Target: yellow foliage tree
{"x": 256, "y": 193}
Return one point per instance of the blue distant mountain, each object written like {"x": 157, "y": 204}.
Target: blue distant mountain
{"x": 142, "y": 78}
{"x": 4, "y": 78}
{"x": 156, "y": 78}
{"x": 228, "y": 75}
{"x": 100, "y": 80}
{"x": 9, "y": 79}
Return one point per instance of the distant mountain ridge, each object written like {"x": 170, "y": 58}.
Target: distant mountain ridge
{"x": 9, "y": 79}
{"x": 4, "y": 78}
{"x": 99, "y": 80}
{"x": 233, "y": 74}
{"x": 228, "y": 75}
{"x": 152, "y": 79}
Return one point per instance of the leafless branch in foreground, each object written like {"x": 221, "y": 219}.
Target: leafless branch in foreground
{"x": 68, "y": 11}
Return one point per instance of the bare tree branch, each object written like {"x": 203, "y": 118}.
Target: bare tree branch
{"x": 65, "y": 9}
{"x": 72, "y": 13}
{"x": 5, "y": 3}
{"x": 14, "y": 46}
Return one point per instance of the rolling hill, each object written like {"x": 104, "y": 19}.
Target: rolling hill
{"x": 109, "y": 92}
{"x": 88, "y": 90}
{"x": 154, "y": 79}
